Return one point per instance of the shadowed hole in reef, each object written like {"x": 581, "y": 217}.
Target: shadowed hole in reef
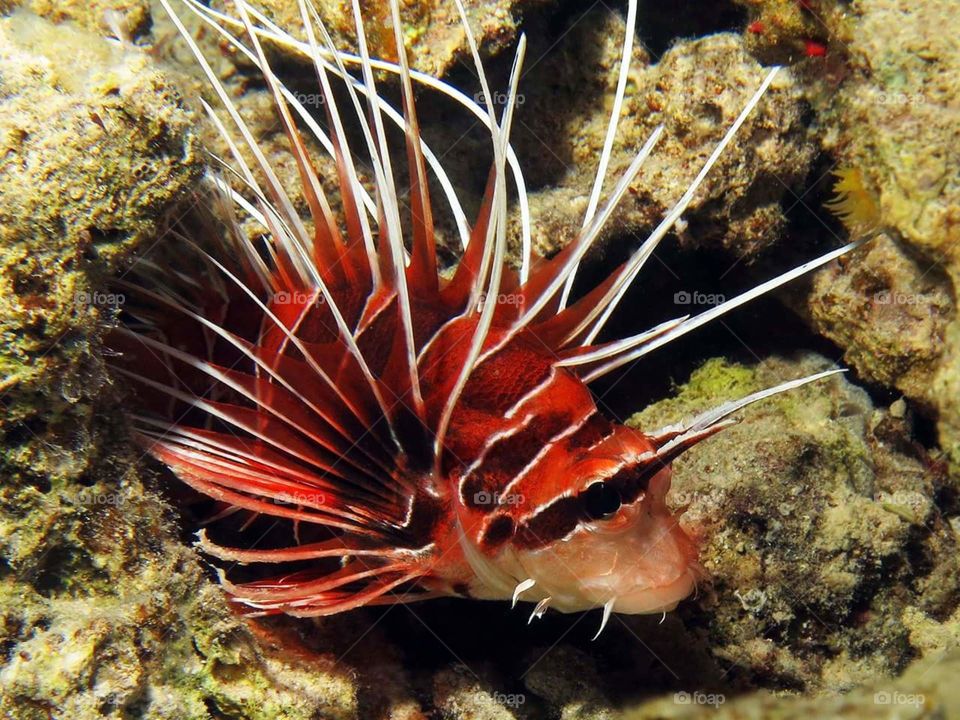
{"x": 25, "y": 431}
{"x": 660, "y": 24}
{"x": 553, "y": 95}
{"x": 499, "y": 645}
{"x": 559, "y": 88}
{"x": 64, "y": 569}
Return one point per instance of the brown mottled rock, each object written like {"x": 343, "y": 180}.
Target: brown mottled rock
{"x": 696, "y": 91}
{"x": 889, "y": 106}
{"x": 820, "y": 525}
{"x": 890, "y": 311}
{"x": 432, "y": 31}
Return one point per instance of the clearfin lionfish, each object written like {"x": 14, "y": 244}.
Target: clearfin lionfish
{"x": 416, "y": 436}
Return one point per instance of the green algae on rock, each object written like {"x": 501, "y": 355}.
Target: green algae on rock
{"x": 820, "y": 525}
{"x": 106, "y": 613}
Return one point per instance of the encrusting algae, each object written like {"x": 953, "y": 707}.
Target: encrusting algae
{"x": 105, "y": 611}
{"x": 888, "y": 105}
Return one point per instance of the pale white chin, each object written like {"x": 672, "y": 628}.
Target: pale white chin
{"x": 663, "y": 597}
{"x": 643, "y": 571}
{"x": 659, "y": 599}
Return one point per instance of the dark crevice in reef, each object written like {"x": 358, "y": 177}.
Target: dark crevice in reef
{"x": 508, "y": 649}
{"x": 554, "y": 93}
{"x": 559, "y": 84}
{"x": 661, "y": 24}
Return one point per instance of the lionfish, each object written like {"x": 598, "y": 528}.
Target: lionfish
{"x": 417, "y": 435}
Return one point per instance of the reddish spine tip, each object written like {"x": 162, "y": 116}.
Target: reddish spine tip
{"x": 756, "y": 27}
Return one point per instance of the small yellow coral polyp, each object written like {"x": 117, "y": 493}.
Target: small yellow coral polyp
{"x": 854, "y": 204}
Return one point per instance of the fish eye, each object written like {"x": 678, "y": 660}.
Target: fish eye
{"x": 600, "y": 500}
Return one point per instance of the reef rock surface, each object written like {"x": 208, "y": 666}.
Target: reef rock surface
{"x": 828, "y": 516}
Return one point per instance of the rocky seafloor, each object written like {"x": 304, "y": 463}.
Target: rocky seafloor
{"x": 828, "y": 516}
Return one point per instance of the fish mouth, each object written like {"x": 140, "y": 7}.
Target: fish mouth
{"x": 659, "y": 599}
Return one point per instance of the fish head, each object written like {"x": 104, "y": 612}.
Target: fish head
{"x": 593, "y": 529}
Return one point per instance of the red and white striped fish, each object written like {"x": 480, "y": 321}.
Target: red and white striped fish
{"x": 419, "y": 437}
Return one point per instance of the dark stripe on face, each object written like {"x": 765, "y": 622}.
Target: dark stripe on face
{"x": 554, "y": 522}
{"x": 560, "y": 518}
{"x": 506, "y": 460}
{"x": 632, "y": 482}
